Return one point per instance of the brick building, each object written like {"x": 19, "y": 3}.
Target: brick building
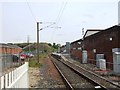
{"x": 103, "y": 42}
{"x": 9, "y": 49}
{"x": 98, "y": 42}
{"x": 9, "y": 55}
{"x": 76, "y": 49}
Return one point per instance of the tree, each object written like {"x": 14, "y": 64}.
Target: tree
{"x": 49, "y": 44}
{"x": 55, "y": 46}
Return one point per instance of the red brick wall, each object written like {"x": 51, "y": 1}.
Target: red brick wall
{"x": 10, "y": 50}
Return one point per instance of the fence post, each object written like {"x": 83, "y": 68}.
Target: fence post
{"x": 2, "y": 82}
{"x": 6, "y": 80}
{"x": 10, "y": 77}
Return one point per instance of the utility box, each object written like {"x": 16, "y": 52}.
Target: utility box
{"x": 102, "y": 64}
{"x": 98, "y": 57}
{"x": 84, "y": 56}
{"x": 116, "y": 62}
{"x": 68, "y": 47}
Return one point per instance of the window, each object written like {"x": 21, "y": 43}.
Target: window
{"x": 79, "y": 42}
{"x": 79, "y": 48}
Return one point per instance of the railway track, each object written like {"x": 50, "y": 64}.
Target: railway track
{"x": 77, "y": 77}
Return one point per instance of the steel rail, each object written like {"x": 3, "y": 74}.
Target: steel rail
{"x": 96, "y": 75}
{"x": 67, "y": 83}
{"x": 96, "y": 85}
{"x": 86, "y": 77}
{"x": 103, "y": 86}
{"x": 89, "y": 78}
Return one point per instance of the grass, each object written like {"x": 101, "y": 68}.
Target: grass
{"x": 33, "y": 61}
{"x": 44, "y": 55}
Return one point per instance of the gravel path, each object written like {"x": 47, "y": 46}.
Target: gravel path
{"x": 45, "y": 77}
{"x": 34, "y": 77}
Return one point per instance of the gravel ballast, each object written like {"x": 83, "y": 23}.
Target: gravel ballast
{"x": 46, "y": 76}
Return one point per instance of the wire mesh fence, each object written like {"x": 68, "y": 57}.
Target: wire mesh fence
{"x": 108, "y": 65}
{"x": 107, "y": 69}
{"x": 8, "y": 61}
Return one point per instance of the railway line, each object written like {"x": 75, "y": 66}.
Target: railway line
{"x": 76, "y": 77}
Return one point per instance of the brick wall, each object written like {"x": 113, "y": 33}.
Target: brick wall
{"x": 6, "y": 49}
{"x": 103, "y": 42}
{"x": 76, "y": 50}
{"x": 100, "y": 43}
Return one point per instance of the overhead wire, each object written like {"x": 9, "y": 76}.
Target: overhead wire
{"x": 47, "y": 26}
{"x": 60, "y": 13}
{"x": 64, "y": 3}
{"x": 31, "y": 11}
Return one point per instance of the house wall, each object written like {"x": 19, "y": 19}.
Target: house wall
{"x": 6, "y": 49}
{"x": 101, "y": 43}
{"x": 76, "y": 50}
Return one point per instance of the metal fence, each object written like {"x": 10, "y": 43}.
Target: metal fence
{"x": 109, "y": 65}
{"x": 106, "y": 69}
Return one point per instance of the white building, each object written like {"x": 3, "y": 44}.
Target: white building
{"x": 119, "y": 12}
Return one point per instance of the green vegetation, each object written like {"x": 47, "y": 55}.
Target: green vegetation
{"x": 34, "y": 63}
{"x": 45, "y": 49}
{"x": 43, "y": 55}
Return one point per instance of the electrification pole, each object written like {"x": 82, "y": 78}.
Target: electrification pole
{"x": 38, "y": 41}
{"x": 38, "y": 36}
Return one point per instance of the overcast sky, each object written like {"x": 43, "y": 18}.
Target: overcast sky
{"x": 19, "y": 19}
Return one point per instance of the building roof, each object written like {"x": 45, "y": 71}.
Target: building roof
{"x": 76, "y": 41}
{"x": 9, "y": 46}
{"x": 91, "y": 32}
{"x": 110, "y": 29}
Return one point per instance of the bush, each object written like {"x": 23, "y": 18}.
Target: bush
{"x": 34, "y": 63}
